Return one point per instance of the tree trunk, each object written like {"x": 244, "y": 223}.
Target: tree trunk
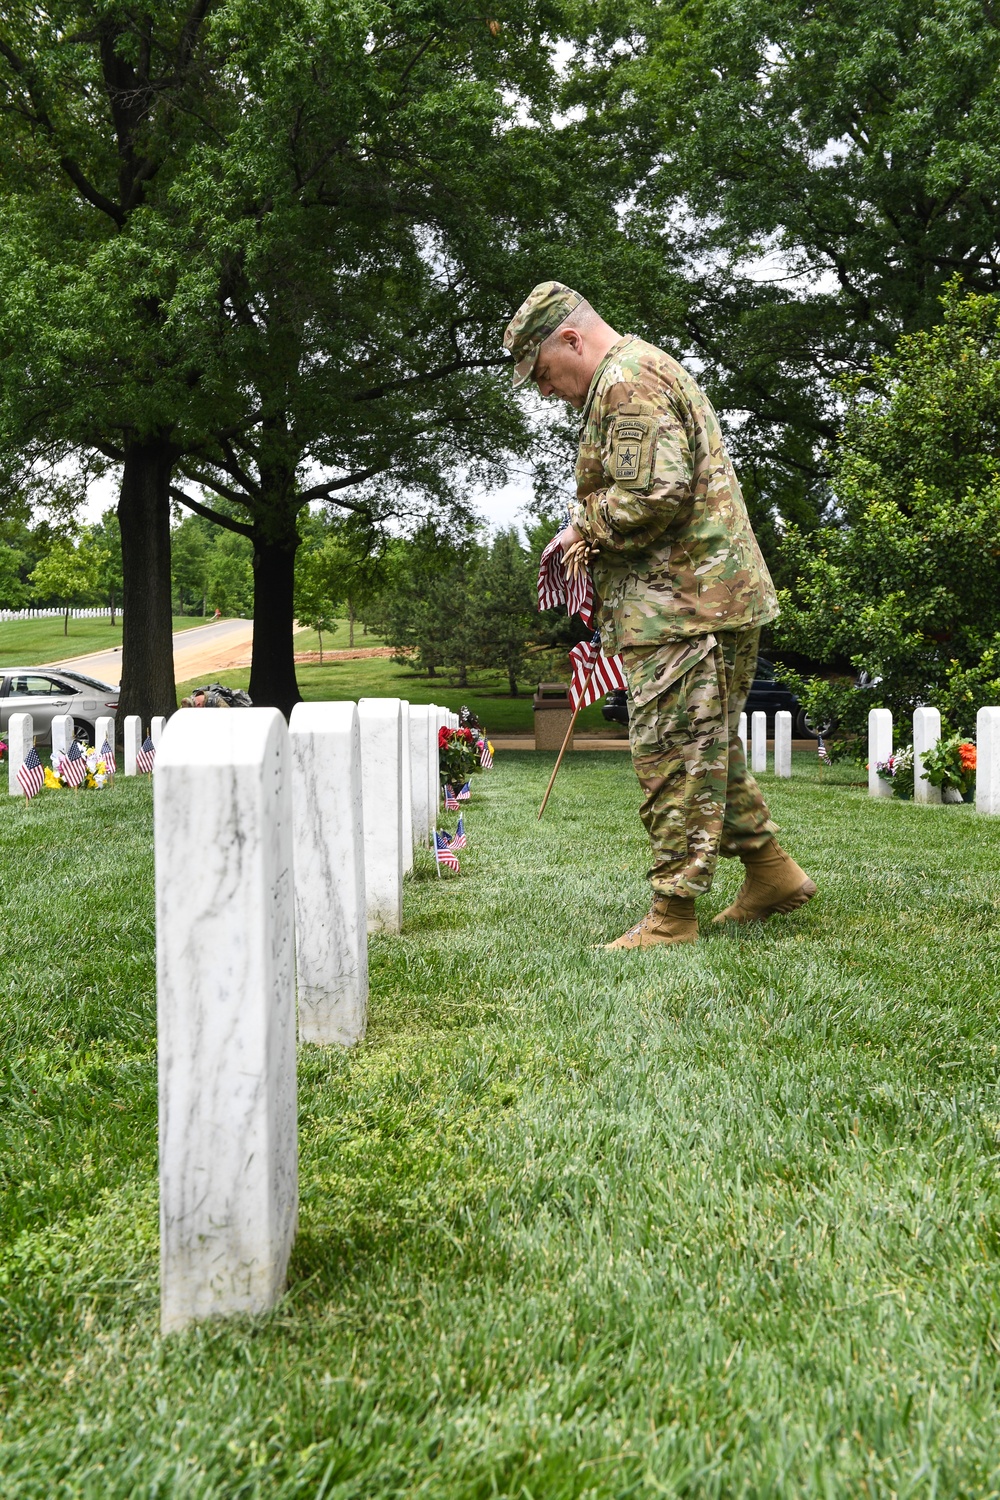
{"x": 272, "y": 673}
{"x": 512, "y": 683}
{"x": 320, "y": 634}
{"x": 350, "y": 623}
{"x": 147, "y": 685}
{"x": 66, "y": 621}
{"x": 463, "y": 676}
{"x": 111, "y": 602}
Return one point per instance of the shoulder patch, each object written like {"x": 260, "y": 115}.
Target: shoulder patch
{"x": 633, "y": 438}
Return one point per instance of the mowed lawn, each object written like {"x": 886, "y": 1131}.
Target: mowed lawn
{"x": 25, "y": 643}
{"x": 722, "y": 1221}
{"x": 349, "y": 678}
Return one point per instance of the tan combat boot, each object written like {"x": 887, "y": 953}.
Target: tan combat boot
{"x": 671, "y": 919}
{"x": 773, "y": 883}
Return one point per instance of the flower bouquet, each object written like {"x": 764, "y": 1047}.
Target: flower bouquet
{"x": 898, "y": 771}
{"x": 3, "y": 751}
{"x": 97, "y": 774}
{"x": 951, "y": 765}
{"x": 458, "y": 757}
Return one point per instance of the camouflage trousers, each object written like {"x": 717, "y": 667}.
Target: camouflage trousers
{"x": 700, "y": 801}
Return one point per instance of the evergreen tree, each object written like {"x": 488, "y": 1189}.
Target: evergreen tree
{"x": 503, "y": 606}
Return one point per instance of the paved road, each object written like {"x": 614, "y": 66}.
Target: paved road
{"x": 199, "y": 652}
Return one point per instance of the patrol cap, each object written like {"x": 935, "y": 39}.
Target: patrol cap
{"x": 540, "y": 314}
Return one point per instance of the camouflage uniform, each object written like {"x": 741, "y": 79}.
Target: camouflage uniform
{"x": 684, "y": 591}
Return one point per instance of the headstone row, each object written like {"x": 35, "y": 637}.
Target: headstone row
{"x": 926, "y": 733}
{"x": 758, "y": 741}
{"x": 277, "y": 849}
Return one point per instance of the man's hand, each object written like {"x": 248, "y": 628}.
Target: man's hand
{"x": 576, "y": 553}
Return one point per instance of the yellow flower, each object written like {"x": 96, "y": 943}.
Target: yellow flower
{"x": 51, "y": 779}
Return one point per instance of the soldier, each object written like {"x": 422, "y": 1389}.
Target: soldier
{"x": 683, "y": 590}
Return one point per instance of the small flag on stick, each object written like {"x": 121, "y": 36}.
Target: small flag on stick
{"x": 465, "y": 795}
{"x": 30, "y": 776}
{"x": 443, "y": 854}
{"x": 459, "y": 841}
{"x": 822, "y": 752}
{"x": 108, "y": 757}
{"x": 145, "y": 757}
{"x": 450, "y": 800}
{"x": 73, "y": 766}
{"x": 485, "y": 754}
{"x": 594, "y": 674}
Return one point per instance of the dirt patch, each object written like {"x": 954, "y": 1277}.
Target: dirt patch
{"x": 359, "y": 653}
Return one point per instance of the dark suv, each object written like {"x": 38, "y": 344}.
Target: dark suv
{"x": 765, "y": 696}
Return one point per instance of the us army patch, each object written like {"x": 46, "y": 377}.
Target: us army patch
{"x": 631, "y": 458}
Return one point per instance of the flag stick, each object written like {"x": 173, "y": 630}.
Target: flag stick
{"x": 562, "y": 752}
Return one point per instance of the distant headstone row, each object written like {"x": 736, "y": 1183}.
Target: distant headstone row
{"x": 926, "y": 734}
{"x": 60, "y": 614}
{"x": 21, "y": 737}
{"x": 758, "y": 742}
{"x": 278, "y": 849}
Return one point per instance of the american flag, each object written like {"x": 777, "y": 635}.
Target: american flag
{"x": 822, "y": 751}
{"x": 30, "y": 776}
{"x": 73, "y": 766}
{"x": 108, "y": 757}
{"x": 450, "y": 800}
{"x": 485, "y": 754}
{"x": 555, "y": 589}
{"x": 442, "y": 852}
{"x": 608, "y": 673}
{"x": 145, "y": 757}
{"x": 459, "y": 841}
{"x": 465, "y": 795}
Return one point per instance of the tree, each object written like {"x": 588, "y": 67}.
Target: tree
{"x": 69, "y": 574}
{"x": 191, "y": 543}
{"x": 320, "y": 573}
{"x": 14, "y": 592}
{"x": 805, "y": 180}
{"x": 905, "y": 588}
{"x": 504, "y": 606}
{"x": 229, "y": 580}
{"x": 427, "y": 607}
{"x": 102, "y": 105}
{"x": 108, "y": 537}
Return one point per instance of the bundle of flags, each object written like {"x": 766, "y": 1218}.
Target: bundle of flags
{"x": 30, "y": 776}
{"x": 555, "y": 589}
{"x": 145, "y": 757}
{"x": 594, "y": 674}
{"x": 605, "y": 673}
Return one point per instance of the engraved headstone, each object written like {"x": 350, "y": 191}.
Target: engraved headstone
{"x": 331, "y": 935}
{"x": 782, "y": 743}
{"x": 62, "y": 734}
{"x": 133, "y": 742}
{"x": 758, "y": 741}
{"x": 20, "y": 738}
{"x": 225, "y": 1008}
{"x": 988, "y": 760}
{"x": 406, "y": 787}
{"x": 879, "y": 750}
{"x": 382, "y": 798}
{"x": 926, "y": 733}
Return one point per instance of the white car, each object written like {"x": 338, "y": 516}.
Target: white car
{"x": 44, "y": 692}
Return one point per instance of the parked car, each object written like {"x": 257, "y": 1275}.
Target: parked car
{"x": 766, "y": 696}
{"x": 45, "y": 692}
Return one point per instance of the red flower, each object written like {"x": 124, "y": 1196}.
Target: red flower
{"x": 444, "y": 735}
{"x": 967, "y": 756}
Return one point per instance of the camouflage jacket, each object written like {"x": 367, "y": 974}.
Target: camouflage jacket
{"x": 657, "y": 493}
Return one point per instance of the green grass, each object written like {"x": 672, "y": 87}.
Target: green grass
{"x": 28, "y": 642}
{"x": 487, "y": 695}
{"x": 715, "y": 1222}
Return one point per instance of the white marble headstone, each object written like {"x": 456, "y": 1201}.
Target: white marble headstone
{"x": 20, "y": 738}
{"x": 988, "y": 760}
{"x": 225, "y": 1008}
{"x": 133, "y": 742}
{"x": 433, "y": 767}
{"x": 419, "y": 752}
{"x": 926, "y": 733}
{"x": 62, "y": 734}
{"x": 331, "y": 935}
{"x": 104, "y": 729}
{"x": 156, "y": 727}
{"x": 406, "y": 778}
{"x": 783, "y": 743}
{"x": 879, "y": 750}
{"x": 758, "y": 741}
{"x": 382, "y": 798}
{"x": 741, "y": 734}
